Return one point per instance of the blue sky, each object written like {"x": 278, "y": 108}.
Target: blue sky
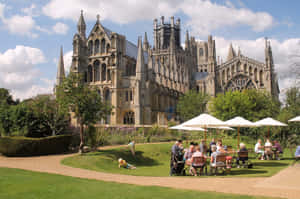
{"x": 32, "y": 32}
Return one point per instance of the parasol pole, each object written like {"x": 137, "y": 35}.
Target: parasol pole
{"x": 238, "y": 138}
{"x": 269, "y": 133}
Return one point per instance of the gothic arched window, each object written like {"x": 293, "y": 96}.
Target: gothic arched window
{"x": 90, "y": 47}
{"x": 96, "y": 71}
{"x": 261, "y": 77}
{"x": 103, "y": 72}
{"x": 90, "y": 73}
{"x": 107, "y": 95}
{"x": 201, "y": 52}
{"x": 128, "y": 118}
{"x": 97, "y": 46}
{"x": 107, "y": 48}
{"x": 103, "y": 46}
{"x": 255, "y": 75}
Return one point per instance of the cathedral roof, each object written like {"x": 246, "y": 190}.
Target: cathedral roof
{"x": 132, "y": 51}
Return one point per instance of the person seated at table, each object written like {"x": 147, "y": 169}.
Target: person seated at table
{"x": 189, "y": 153}
{"x": 213, "y": 157}
{"x": 259, "y": 149}
{"x": 277, "y": 149}
{"x": 213, "y": 142}
{"x": 243, "y": 159}
{"x": 124, "y": 164}
{"x": 197, "y": 162}
{"x": 268, "y": 149}
{"x": 297, "y": 153}
{"x": 203, "y": 147}
{"x": 219, "y": 145}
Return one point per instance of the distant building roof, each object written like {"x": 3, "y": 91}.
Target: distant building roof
{"x": 132, "y": 51}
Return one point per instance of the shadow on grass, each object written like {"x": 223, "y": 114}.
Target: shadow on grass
{"x": 247, "y": 172}
{"x": 138, "y": 160}
{"x": 270, "y": 164}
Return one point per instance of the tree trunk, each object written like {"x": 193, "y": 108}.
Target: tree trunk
{"x": 81, "y": 139}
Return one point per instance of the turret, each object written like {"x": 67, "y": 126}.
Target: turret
{"x": 145, "y": 43}
{"x": 60, "y": 69}
{"x": 81, "y": 26}
{"x": 187, "y": 41}
{"x": 140, "y": 62}
{"x": 231, "y": 53}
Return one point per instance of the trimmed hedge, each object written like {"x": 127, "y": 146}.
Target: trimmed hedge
{"x": 23, "y": 146}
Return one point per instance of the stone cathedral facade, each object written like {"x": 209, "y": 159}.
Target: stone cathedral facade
{"x": 144, "y": 83}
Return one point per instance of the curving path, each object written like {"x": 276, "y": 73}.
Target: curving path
{"x": 285, "y": 184}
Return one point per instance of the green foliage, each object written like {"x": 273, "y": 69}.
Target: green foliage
{"x": 84, "y": 101}
{"x": 22, "y": 146}
{"x": 250, "y": 104}
{"x": 192, "y": 104}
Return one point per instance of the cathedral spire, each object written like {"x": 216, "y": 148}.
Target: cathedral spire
{"x": 140, "y": 62}
{"x": 145, "y": 43}
{"x": 172, "y": 41}
{"x": 239, "y": 52}
{"x": 60, "y": 68}
{"x": 81, "y": 26}
{"x": 231, "y": 53}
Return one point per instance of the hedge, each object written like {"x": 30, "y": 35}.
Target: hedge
{"x": 23, "y": 146}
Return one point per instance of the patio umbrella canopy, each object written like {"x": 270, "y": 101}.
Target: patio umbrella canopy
{"x": 296, "y": 119}
{"x": 239, "y": 122}
{"x": 204, "y": 121}
{"x": 269, "y": 122}
{"x": 181, "y": 127}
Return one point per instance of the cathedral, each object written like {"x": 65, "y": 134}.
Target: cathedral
{"x": 143, "y": 83}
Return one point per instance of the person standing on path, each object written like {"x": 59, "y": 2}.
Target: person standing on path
{"x": 174, "y": 152}
{"x": 131, "y": 146}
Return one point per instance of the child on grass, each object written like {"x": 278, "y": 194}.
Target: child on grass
{"x": 124, "y": 164}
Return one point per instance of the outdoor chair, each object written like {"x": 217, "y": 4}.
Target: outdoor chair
{"x": 244, "y": 157}
{"x": 220, "y": 164}
{"x": 201, "y": 161}
{"x": 268, "y": 152}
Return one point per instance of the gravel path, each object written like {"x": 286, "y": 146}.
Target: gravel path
{"x": 285, "y": 184}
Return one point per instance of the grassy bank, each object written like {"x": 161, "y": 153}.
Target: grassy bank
{"x": 154, "y": 160}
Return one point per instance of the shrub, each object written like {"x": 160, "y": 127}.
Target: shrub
{"x": 22, "y": 146}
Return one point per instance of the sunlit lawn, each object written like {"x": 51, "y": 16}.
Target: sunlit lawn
{"x": 154, "y": 160}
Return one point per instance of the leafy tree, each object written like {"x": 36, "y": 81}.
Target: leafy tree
{"x": 84, "y": 101}
{"x": 192, "y": 104}
{"x": 250, "y": 104}
{"x": 53, "y": 119}
{"x": 6, "y": 98}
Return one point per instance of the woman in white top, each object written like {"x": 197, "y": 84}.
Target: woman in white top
{"x": 258, "y": 149}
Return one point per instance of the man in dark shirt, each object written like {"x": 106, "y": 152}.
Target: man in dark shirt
{"x": 278, "y": 149}
{"x": 213, "y": 142}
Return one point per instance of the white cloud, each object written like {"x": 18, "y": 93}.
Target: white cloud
{"x": 31, "y": 11}
{"x": 17, "y": 24}
{"x": 283, "y": 52}
{"x": 18, "y": 71}
{"x": 60, "y": 28}
{"x": 203, "y": 16}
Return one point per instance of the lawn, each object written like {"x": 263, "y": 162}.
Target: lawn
{"x": 20, "y": 184}
{"x": 154, "y": 160}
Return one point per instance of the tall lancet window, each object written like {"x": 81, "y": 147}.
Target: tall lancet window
{"x": 97, "y": 46}
{"x": 96, "y": 70}
{"x": 103, "y": 72}
{"x": 90, "y": 47}
{"x": 103, "y": 46}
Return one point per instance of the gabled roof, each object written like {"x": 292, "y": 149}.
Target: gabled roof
{"x": 132, "y": 51}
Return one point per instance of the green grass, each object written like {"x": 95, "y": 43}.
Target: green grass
{"x": 20, "y": 184}
{"x": 154, "y": 160}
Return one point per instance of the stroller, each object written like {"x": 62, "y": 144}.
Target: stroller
{"x": 177, "y": 163}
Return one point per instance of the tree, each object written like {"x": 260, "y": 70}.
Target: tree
{"x": 6, "y": 98}
{"x": 82, "y": 100}
{"x": 50, "y": 115}
{"x": 250, "y": 104}
{"x": 192, "y": 104}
